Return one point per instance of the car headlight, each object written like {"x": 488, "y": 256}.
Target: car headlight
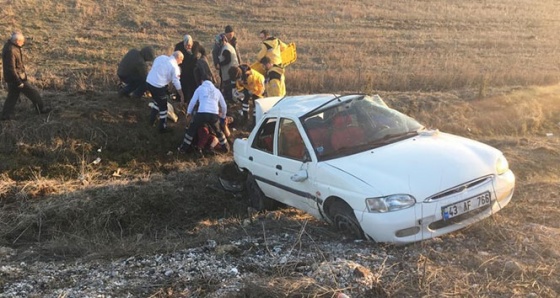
{"x": 390, "y": 203}
{"x": 502, "y": 165}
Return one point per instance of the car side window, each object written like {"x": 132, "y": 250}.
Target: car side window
{"x": 290, "y": 142}
{"x": 264, "y": 140}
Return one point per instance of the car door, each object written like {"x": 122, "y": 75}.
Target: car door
{"x": 292, "y": 166}
{"x": 262, "y": 157}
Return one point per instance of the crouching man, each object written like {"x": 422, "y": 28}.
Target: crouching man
{"x": 211, "y": 110}
{"x": 207, "y": 140}
{"x": 251, "y": 83}
{"x": 133, "y": 70}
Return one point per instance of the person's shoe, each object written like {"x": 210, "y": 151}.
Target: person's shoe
{"x": 165, "y": 130}
{"x": 187, "y": 149}
{"x": 224, "y": 148}
{"x": 136, "y": 97}
{"x": 182, "y": 150}
{"x": 45, "y": 111}
{"x": 123, "y": 94}
{"x": 198, "y": 152}
{"x": 210, "y": 152}
{"x": 191, "y": 150}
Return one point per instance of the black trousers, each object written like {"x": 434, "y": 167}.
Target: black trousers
{"x": 227, "y": 88}
{"x": 248, "y": 107}
{"x": 136, "y": 86}
{"x": 188, "y": 88}
{"x": 159, "y": 98}
{"x": 13, "y": 95}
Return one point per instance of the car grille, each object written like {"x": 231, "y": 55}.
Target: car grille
{"x": 459, "y": 189}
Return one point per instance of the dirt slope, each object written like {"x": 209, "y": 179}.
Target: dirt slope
{"x": 143, "y": 201}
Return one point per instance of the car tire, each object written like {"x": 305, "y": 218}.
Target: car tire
{"x": 344, "y": 219}
{"x": 257, "y": 199}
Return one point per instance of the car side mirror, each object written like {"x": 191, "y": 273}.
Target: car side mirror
{"x": 299, "y": 176}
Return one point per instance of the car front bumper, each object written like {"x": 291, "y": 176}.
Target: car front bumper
{"x": 420, "y": 222}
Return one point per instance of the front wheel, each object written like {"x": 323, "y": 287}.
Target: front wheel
{"x": 344, "y": 219}
{"x": 257, "y": 199}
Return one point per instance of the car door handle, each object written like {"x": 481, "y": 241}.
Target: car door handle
{"x": 250, "y": 158}
{"x": 279, "y": 167}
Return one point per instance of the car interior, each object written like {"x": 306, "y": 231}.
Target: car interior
{"x": 290, "y": 141}
{"x": 346, "y": 131}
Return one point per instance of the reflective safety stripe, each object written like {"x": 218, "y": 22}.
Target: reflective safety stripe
{"x": 188, "y": 139}
{"x": 222, "y": 140}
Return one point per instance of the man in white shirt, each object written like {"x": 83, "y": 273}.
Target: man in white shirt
{"x": 212, "y": 109}
{"x": 165, "y": 70}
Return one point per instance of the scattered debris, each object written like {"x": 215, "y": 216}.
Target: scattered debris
{"x": 117, "y": 173}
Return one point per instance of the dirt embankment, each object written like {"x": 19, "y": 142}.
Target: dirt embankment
{"x": 146, "y": 221}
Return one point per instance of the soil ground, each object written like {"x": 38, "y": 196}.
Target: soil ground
{"x": 141, "y": 197}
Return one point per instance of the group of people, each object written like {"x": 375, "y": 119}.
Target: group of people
{"x": 186, "y": 73}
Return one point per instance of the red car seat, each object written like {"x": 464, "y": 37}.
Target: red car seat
{"x": 292, "y": 143}
{"x": 346, "y": 133}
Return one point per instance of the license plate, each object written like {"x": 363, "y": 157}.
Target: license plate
{"x": 465, "y": 206}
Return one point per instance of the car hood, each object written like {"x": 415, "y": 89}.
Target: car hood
{"x": 420, "y": 166}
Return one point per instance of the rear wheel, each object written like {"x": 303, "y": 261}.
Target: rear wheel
{"x": 344, "y": 219}
{"x": 257, "y": 199}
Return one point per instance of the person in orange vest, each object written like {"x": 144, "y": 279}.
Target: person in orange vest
{"x": 271, "y": 47}
{"x": 251, "y": 83}
{"x": 274, "y": 80}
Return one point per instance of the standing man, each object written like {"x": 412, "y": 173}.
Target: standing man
{"x": 133, "y": 70}
{"x": 227, "y": 60}
{"x": 274, "y": 83}
{"x": 202, "y": 65}
{"x": 212, "y": 110}
{"x": 271, "y": 47}
{"x": 217, "y": 50}
{"x": 16, "y": 78}
{"x": 232, "y": 39}
{"x": 165, "y": 70}
{"x": 188, "y": 83}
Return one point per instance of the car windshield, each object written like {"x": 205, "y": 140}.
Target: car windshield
{"x": 356, "y": 125}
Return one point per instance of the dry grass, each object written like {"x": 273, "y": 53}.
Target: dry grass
{"x": 390, "y": 45}
{"x": 450, "y": 64}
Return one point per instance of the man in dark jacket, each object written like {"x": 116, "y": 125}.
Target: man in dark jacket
{"x": 15, "y": 76}
{"x": 218, "y": 46}
{"x": 232, "y": 39}
{"x": 227, "y": 59}
{"x": 202, "y": 67}
{"x": 188, "y": 83}
{"x": 133, "y": 70}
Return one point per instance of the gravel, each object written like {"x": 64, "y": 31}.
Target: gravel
{"x": 222, "y": 269}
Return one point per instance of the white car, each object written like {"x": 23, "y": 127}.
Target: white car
{"x": 370, "y": 170}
